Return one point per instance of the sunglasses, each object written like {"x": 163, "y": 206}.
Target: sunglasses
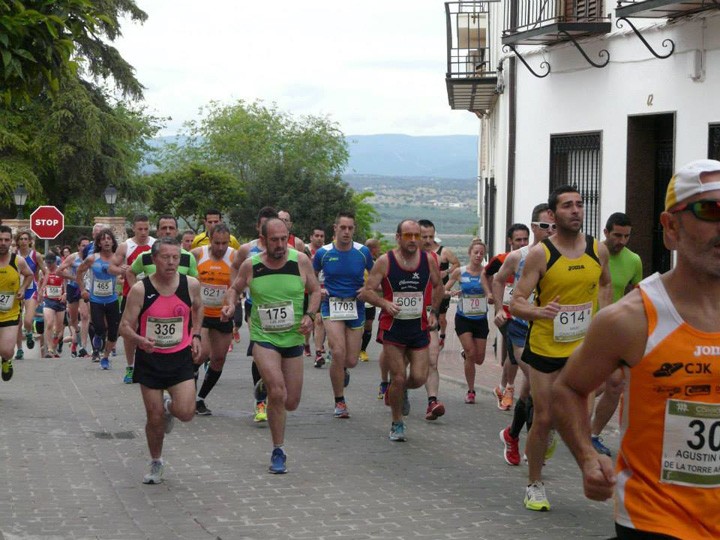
{"x": 703, "y": 210}
{"x": 545, "y": 226}
{"x": 410, "y": 236}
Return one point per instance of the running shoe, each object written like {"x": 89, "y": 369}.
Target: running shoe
{"x": 507, "y": 398}
{"x": 470, "y": 397}
{"x": 49, "y": 353}
{"x": 55, "y": 354}
{"x": 535, "y": 498}
{"x": 441, "y": 342}
{"x": 341, "y": 410}
{"x": 552, "y": 445}
{"x": 599, "y": 446}
{"x": 260, "y": 412}
{"x": 260, "y": 391}
{"x": 435, "y": 410}
{"x": 397, "y": 432}
{"x": 511, "y": 451}
{"x": 155, "y": 474}
{"x": 236, "y": 334}
{"x": 104, "y": 363}
{"x": 29, "y": 341}
{"x": 277, "y": 461}
{"x": 73, "y": 350}
{"x": 82, "y": 353}
{"x": 306, "y": 350}
{"x": 406, "y": 403}
{"x": 98, "y": 343}
{"x": 169, "y": 418}
{"x": 364, "y": 356}
{"x": 19, "y": 354}
{"x": 346, "y": 380}
{"x": 382, "y": 389}
{"x": 319, "y": 359}
{"x": 114, "y": 351}
{"x": 129, "y": 371}
{"x": 201, "y": 409}
{"x": 59, "y": 344}
{"x": 7, "y": 369}
{"x": 498, "y": 393}
{"x": 95, "y": 356}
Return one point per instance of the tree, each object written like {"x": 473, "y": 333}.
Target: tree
{"x": 44, "y": 42}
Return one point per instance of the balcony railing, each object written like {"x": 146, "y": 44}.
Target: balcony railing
{"x": 660, "y": 9}
{"x": 471, "y": 76}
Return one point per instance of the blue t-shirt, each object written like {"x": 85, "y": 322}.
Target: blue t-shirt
{"x": 102, "y": 284}
{"x": 344, "y": 271}
{"x": 472, "y": 296}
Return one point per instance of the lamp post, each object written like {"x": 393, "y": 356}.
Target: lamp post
{"x": 110, "y": 194}
{"x": 20, "y": 195}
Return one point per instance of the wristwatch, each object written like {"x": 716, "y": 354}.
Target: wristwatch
{"x": 311, "y": 314}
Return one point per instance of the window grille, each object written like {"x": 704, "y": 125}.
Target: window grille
{"x": 714, "y": 142}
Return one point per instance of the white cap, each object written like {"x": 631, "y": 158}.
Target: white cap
{"x": 688, "y": 182}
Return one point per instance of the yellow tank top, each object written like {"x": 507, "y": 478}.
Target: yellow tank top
{"x": 9, "y": 286}
{"x": 668, "y": 466}
{"x": 214, "y": 277}
{"x": 575, "y": 281}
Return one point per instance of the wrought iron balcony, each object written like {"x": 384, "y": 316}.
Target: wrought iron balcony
{"x": 471, "y": 77}
{"x": 660, "y": 9}
{"x": 544, "y": 22}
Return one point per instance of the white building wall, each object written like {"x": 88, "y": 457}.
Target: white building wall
{"x": 576, "y": 97}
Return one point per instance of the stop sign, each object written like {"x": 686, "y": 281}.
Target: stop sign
{"x": 47, "y": 222}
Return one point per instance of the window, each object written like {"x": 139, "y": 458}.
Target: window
{"x": 575, "y": 160}
{"x": 714, "y": 142}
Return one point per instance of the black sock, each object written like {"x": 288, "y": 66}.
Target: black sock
{"x": 367, "y": 336}
{"x": 211, "y": 378}
{"x": 255, "y": 373}
{"x": 339, "y": 399}
{"x": 431, "y": 399}
{"x": 519, "y": 418}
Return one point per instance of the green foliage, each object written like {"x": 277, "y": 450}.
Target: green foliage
{"x": 190, "y": 190}
{"x": 44, "y": 42}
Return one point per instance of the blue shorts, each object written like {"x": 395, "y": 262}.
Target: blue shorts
{"x": 516, "y": 332}
{"x": 404, "y": 340}
{"x": 285, "y": 352}
{"x": 73, "y": 294}
{"x": 353, "y": 324}
{"x": 55, "y": 305}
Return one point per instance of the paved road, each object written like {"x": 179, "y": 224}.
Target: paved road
{"x": 73, "y": 453}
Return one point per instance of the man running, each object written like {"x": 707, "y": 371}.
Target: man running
{"x": 78, "y": 309}
{"x": 343, "y": 263}
{"x": 373, "y": 244}
{"x": 410, "y": 280}
{"x": 542, "y": 225}
{"x": 293, "y": 241}
{"x": 664, "y": 335}
{"x": 24, "y": 241}
{"x": 52, "y": 294}
{"x": 215, "y": 274}
{"x": 278, "y": 278}
{"x": 15, "y": 277}
{"x": 212, "y": 218}
{"x": 317, "y": 240}
{"x": 163, "y": 316}
{"x": 570, "y": 272}
{"x": 125, "y": 255}
{"x": 448, "y": 263}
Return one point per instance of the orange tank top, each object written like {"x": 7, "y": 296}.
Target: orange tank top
{"x": 214, "y": 277}
{"x": 668, "y": 467}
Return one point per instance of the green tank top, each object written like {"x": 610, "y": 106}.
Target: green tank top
{"x": 277, "y": 302}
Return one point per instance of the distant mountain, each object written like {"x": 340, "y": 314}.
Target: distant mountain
{"x": 449, "y": 156}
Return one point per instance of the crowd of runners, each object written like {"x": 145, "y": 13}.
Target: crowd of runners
{"x": 574, "y": 314}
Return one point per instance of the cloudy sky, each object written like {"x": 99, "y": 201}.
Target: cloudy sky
{"x": 373, "y": 66}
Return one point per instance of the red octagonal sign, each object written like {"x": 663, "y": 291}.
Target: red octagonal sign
{"x": 47, "y": 222}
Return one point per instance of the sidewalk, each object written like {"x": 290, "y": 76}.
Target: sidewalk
{"x": 73, "y": 454}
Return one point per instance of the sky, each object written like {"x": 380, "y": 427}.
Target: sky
{"x": 372, "y": 66}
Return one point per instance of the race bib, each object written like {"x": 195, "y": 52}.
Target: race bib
{"x": 167, "y": 331}
{"x": 410, "y": 304}
{"x": 572, "y": 322}
{"x": 53, "y": 291}
{"x": 342, "y": 309}
{"x": 213, "y": 295}
{"x": 691, "y": 444}
{"x": 507, "y": 294}
{"x": 102, "y": 287}
{"x": 474, "y": 304}
{"x": 7, "y": 300}
{"x": 277, "y": 317}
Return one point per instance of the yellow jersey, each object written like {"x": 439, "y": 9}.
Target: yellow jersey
{"x": 203, "y": 239}
{"x": 9, "y": 286}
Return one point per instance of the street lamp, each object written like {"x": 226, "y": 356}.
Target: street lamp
{"x": 20, "y": 195}
{"x": 110, "y": 194}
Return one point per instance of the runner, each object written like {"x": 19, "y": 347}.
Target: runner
{"x": 570, "y": 272}
{"x": 102, "y": 294}
{"x": 317, "y": 240}
{"x": 212, "y": 218}
{"x": 125, "y": 255}
{"x": 12, "y": 291}
{"x": 542, "y": 225}
{"x": 343, "y": 264}
{"x": 215, "y": 275}
{"x": 187, "y": 239}
{"x": 53, "y": 295}
{"x": 448, "y": 264}
{"x": 166, "y": 310}
{"x": 34, "y": 260}
{"x": 664, "y": 335}
{"x": 293, "y": 241}
{"x": 278, "y": 278}
{"x": 471, "y": 324}
{"x": 411, "y": 282}
{"x": 373, "y": 245}
{"x": 78, "y": 309}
